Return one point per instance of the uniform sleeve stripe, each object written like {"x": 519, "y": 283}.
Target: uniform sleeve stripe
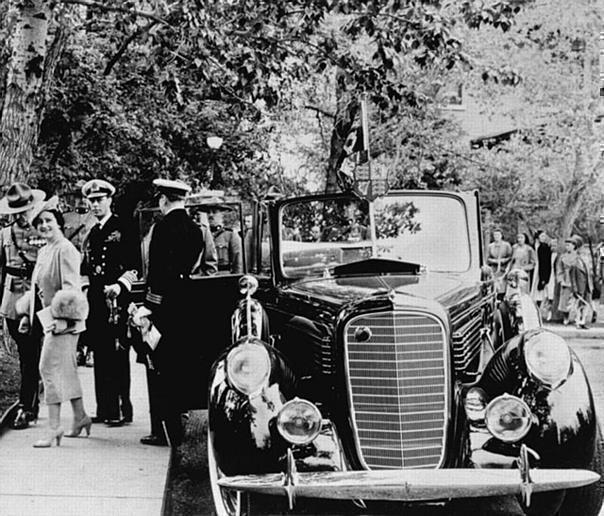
{"x": 153, "y": 298}
{"x": 128, "y": 278}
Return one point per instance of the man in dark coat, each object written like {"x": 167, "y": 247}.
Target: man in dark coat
{"x": 109, "y": 268}
{"x": 177, "y": 248}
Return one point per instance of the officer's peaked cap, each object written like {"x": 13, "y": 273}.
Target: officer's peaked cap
{"x": 97, "y": 188}
{"x": 172, "y": 186}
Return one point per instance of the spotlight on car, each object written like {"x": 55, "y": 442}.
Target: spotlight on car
{"x": 299, "y": 421}
{"x": 508, "y": 418}
{"x": 547, "y": 358}
{"x": 248, "y": 367}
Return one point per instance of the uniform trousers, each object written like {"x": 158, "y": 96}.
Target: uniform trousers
{"x": 111, "y": 362}
{"x": 153, "y": 388}
{"x": 28, "y": 346}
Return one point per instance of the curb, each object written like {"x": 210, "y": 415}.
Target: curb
{"x": 574, "y": 333}
{"x": 167, "y": 504}
{"x": 7, "y": 416}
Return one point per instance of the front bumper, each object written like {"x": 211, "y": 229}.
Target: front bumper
{"x": 409, "y": 485}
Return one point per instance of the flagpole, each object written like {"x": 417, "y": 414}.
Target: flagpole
{"x": 365, "y": 129}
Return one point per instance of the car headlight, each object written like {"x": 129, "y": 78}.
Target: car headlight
{"x": 248, "y": 367}
{"x": 299, "y": 421}
{"x": 508, "y": 418}
{"x": 547, "y": 358}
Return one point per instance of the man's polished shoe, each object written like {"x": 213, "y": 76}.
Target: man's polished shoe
{"x": 153, "y": 440}
{"x": 115, "y": 422}
{"x": 22, "y": 419}
{"x": 97, "y": 419}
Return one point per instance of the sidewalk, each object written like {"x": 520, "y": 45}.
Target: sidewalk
{"x": 110, "y": 473}
{"x": 594, "y": 331}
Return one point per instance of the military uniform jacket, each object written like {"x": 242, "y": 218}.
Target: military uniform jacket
{"x": 228, "y": 249}
{"x": 177, "y": 248}
{"x": 109, "y": 256}
{"x": 18, "y": 253}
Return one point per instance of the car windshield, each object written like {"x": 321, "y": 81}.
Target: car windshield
{"x": 318, "y": 235}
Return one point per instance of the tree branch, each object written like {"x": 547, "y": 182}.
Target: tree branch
{"x": 110, "y": 8}
{"x": 320, "y": 110}
{"x": 120, "y": 52}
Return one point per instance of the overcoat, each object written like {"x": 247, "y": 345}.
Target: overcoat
{"x": 177, "y": 248}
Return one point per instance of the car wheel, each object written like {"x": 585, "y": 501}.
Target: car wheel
{"x": 587, "y": 501}
{"x": 226, "y": 501}
{"x": 582, "y": 501}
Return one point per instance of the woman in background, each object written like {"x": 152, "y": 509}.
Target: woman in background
{"x": 523, "y": 256}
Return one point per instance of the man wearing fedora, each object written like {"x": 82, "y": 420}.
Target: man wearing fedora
{"x": 177, "y": 248}
{"x": 109, "y": 267}
{"x": 19, "y": 245}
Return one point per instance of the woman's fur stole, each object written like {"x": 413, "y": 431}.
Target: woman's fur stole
{"x": 69, "y": 304}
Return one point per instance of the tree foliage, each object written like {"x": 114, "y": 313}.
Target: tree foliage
{"x": 549, "y": 175}
{"x": 141, "y": 84}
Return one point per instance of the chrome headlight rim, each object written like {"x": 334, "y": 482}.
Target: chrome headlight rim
{"x": 549, "y": 343}
{"x": 262, "y": 366}
{"x": 506, "y": 398}
{"x": 309, "y": 406}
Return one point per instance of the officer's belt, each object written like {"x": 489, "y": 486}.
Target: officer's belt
{"x": 21, "y": 272}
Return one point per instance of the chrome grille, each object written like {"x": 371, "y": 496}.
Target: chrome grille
{"x": 398, "y": 389}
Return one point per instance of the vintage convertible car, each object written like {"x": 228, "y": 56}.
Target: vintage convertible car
{"x": 374, "y": 368}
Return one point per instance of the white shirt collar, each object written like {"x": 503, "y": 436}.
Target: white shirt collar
{"x": 104, "y": 220}
{"x": 174, "y": 208}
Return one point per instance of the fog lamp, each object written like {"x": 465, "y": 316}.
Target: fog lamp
{"x": 475, "y": 404}
{"x": 547, "y": 358}
{"x": 299, "y": 421}
{"x": 248, "y": 367}
{"x": 508, "y": 418}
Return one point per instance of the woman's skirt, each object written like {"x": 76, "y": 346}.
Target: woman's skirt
{"x": 58, "y": 368}
{"x": 566, "y": 297}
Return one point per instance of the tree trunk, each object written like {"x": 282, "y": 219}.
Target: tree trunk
{"x": 346, "y": 111}
{"x": 575, "y": 193}
{"x": 19, "y": 119}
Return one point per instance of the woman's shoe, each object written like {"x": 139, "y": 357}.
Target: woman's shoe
{"x": 47, "y": 443}
{"x": 76, "y": 430}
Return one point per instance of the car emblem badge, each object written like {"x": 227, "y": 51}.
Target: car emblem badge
{"x": 362, "y": 334}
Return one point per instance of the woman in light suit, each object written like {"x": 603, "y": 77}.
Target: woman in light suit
{"x": 56, "y": 283}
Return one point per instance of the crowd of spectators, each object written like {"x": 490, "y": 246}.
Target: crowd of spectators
{"x": 564, "y": 277}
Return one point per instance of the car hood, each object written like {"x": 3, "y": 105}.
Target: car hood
{"x": 445, "y": 289}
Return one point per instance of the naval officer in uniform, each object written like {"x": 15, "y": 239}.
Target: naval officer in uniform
{"x": 178, "y": 247}
{"x": 109, "y": 267}
{"x": 19, "y": 245}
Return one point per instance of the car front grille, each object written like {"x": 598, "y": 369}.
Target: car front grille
{"x": 398, "y": 388}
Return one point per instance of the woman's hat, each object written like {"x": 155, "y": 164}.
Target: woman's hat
{"x": 19, "y": 198}
{"x": 50, "y": 204}
{"x": 576, "y": 240}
